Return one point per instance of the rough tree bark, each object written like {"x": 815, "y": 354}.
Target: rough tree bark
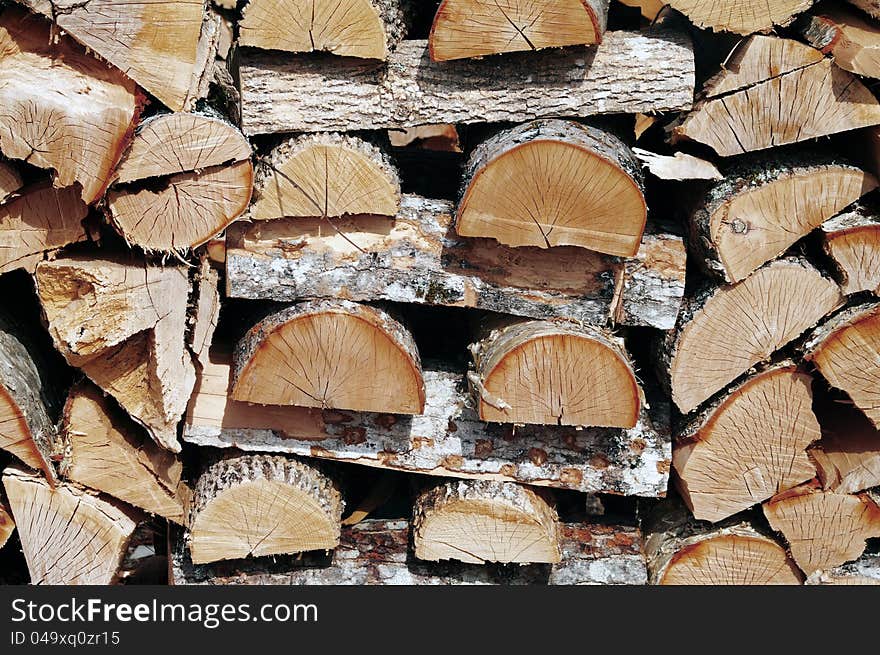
{"x": 864, "y": 571}
{"x": 852, "y": 241}
{"x": 853, "y": 41}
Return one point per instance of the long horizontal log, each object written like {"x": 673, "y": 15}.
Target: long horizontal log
{"x": 447, "y": 440}
{"x": 629, "y": 72}
{"x": 418, "y": 258}
{"x": 377, "y": 552}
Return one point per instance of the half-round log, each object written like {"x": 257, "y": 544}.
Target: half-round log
{"x": 741, "y": 16}
{"x": 852, "y": 241}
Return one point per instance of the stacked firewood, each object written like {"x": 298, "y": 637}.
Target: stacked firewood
{"x": 386, "y": 292}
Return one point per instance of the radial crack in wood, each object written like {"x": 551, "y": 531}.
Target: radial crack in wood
{"x": 852, "y": 241}
{"x": 853, "y": 41}
{"x": 741, "y": 16}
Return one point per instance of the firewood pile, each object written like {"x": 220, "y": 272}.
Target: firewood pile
{"x": 459, "y": 292}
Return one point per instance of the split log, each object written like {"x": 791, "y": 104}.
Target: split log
{"x": 442, "y": 137}
{"x": 168, "y": 48}
{"x": 417, "y": 258}
{"x": 749, "y": 445}
{"x": 369, "y": 29}
{"x": 69, "y": 536}
{"x": 478, "y": 521}
{"x": 864, "y": 571}
{"x": 649, "y": 9}
{"x": 555, "y": 183}
{"x": 205, "y": 313}
{"x": 124, "y": 325}
{"x": 741, "y": 16}
{"x": 448, "y": 439}
{"x": 377, "y": 552}
{"x": 759, "y": 100}
{"x": 327, "y": 175}
{"x": 475, "y": 28}
{"x": 870, "y": 7}
{"x": 630, "y": 72}
{"x": 252, "y": 505}
{"x": 844, "y": 349}
{"x": 7, "y": 523}
{"x": 40, "y": 220}
{"x": 63, "y": 109}
{"x": 108, "y": 452}
{"x": 331, "y": 354}
{"x": 10, "y": 181}
{"x": 848, "y": 456}
{"x": 678, "y": 167}
{"x": 684, "y": 551}
{"x": 843, "y": 33}
{"x": 555, "y": 373}
{"x": 765, "y": 205}
{"x": 724, "y": 331}
{"x": 823, "y": 529}
{"x": 852, "y": 241}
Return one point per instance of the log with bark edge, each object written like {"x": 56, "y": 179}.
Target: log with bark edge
{"x": 479, "y": 521}
{"x": 864, "y": 571}
{"x": 475, "y": 28}
{"x": 554, "y": 373}
{"x": 124, "y": 324}
{"x": 554, "y": 183}
{"x": 774, "y": 92}
{"x": 870, "y": 7}
{"x": 332, "y": 354}
{"x": 252, "y": 505}
{"x": 168, "y": 48}
{"x": 10, "y": 181}
{"x": 63, "y": 109}
{"x": 69, "y": 536}
{"x": 40, "y": 219}
{"x": 107, "y": 451}
{"x": 724, "y": 331}
{"x": 629, "y": 72}
{"x": 683, "y": 551}
{"x": 377, "y": 552}
{"x": 852, "y": 241}
{"x": 852, "y": 39}
{"x": 765, "y": 204}
{"x": 844, "y": 350}
{"x": 823, "y": 529}
{"x": 741, "y": 16}
{"x": 368, "y": 29}
{"x": 447, "y": 440}
{"x": 747, "y": 446}
{"x": 417, "y": 258}
{"x": 7, "y": 523}
{"x": 326, "y": 175}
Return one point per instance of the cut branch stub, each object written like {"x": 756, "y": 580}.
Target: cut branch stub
{"x": 748, "y": 446}
{"x": 62, "y": 108}
{"x": 765, "y": 205}
{"x": 68, "y": 535}
{"x": 327, "y": 175}
{"x": 479, "y": 521}
{"x": 774, "y": 92}
{"x": 741, "y": 16}
{"x": 369, "y": 29}
{"x": 255, "y": 505}
{"x": 824, "y": 529}
{"x": 555, "y": 183}
{"x": 724, "y": 331}
{"x": 333, "y": 355}
{"x": 852, "y": 241}
{"x": 475, "y": 28}
{"x": 844, "y": 349}
{"x": 853, "y": 40}
{"x": 40, "y": 220}
{"x": 555, "y": 373}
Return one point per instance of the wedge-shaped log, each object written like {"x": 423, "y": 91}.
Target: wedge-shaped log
{"x": 555, "y": 183}
{"x": 69, "y": 536}
{"x": 108, "y": 452}
{"x": 824, "y": 529}
{"x": 726, "y": 330}
{"x": 844, "y": 349}
{"x": 205, "y": 313}
{"x": 63, "y": 109}
{"x": 7, "y": 523}
{"x": 327, "y": 175}
{"x": 331, "y": 354}
{"x": 758, "y": 101}
{"x": 475, "y": 28}
{"x": 124, "y": 323}
{"x": 684, "y": 551}
{"x": 864, "y": 571}
{"x": 852, "y": 241}
{"x": 10, "y": 181}
{"x": 629, "y": 72}
{"x": 369, "y": 29}
{"x": 848, "y": 456}
{"x": 417, "y": 258}
{"x": 852, "y": 39}
{"x": 555, "y": 373}
{"x": 479, "y": 521}
{"x": 747, "y": 446}
{"x": 870, "y": 7}
{"x": 766, "y": 204}
{"x": 741, "y": 16}
{"x": 252, "y": 505}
